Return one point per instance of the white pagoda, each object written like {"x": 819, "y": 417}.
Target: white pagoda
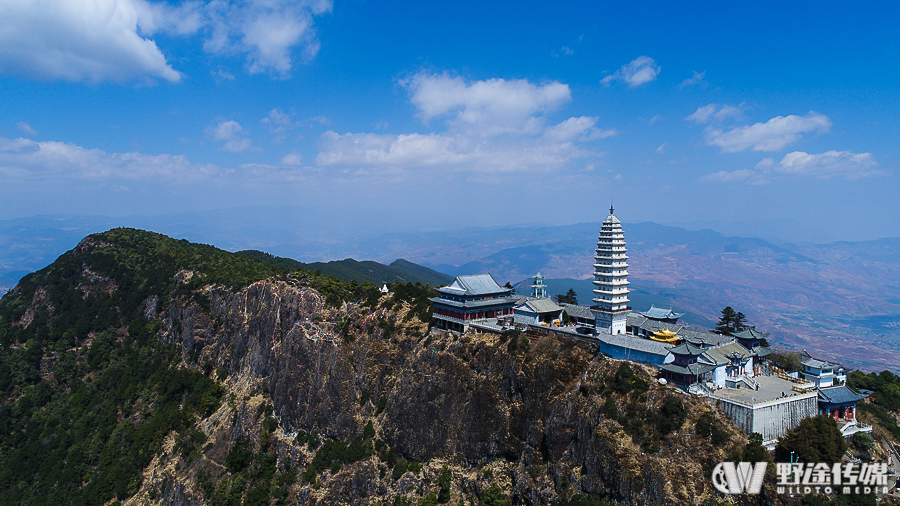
{"x": 610, "y": 278}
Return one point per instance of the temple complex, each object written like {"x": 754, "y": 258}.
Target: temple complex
{"x": 729, "y": 370}
{"x": 611, "y": 278}
{"x": 470, "y": 298}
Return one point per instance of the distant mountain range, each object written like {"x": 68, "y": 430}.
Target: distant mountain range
{"x": 365, "y": 271}
{"x": 840, "y": 300}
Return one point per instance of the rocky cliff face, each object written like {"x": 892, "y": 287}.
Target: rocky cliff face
{"x": 525, "y": 413}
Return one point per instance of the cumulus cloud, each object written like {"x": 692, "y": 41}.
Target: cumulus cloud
{"x": 80, "y": 40}
{"x": 26, "y": 129}
{"x": 714, "y": 112}
{"x": 231, "y": 134}
{"x": 697, "y": 79}
{"x": 493, "y": 126}
{"x": 772, "y": 135}
{"x": 266, "y": 31}
{"x": 829, "y": 164}
{"x": 642, "y": 69}
{"x": 25, "y": 160}
{"x": 492, "y": 106}
{"x": 292, "y": 159}
{"x": 109, "y": 40}
{"x": 581, "y": 128}
{"x": 278, "y": 124}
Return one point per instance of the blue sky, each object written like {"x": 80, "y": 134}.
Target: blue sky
{"x": 767, "y": 119}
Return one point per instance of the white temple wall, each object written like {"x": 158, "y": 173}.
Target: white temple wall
{"x": 772, "y": 419}
{"x": 719, "y": 376}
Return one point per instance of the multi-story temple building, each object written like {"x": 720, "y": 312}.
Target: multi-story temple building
{"x": 470, "y": 298}
{"x": 611, "y": 278}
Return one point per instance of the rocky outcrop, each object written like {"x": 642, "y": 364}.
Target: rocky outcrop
{"x": 527, "y": 411}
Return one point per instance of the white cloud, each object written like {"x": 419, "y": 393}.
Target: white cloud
{"x": 26, "y": 162}
{"x": 266, "y": 31}
{"x": 581, "y": 128}
{"x": 25, "y": 159}
{"x": 697, "y": 78}
{"x": 642, "y": 69}
{"x": 292, "y": 160}
{"x": 829, "y": 164}
{"x": 494, "y": 126}
{"x": 231, "y": 133}
{"x": 714, "y": 112}
{"x": 222, "y": 75}
{"x": 279, "y": 124}
{"x": 80, "y": 40}
{"x": 26, "y": 129}
{"x": 772, "y": 135}
{"x": 661, "y": 148}
{"x": 825, "y": 165}
{"x": 730, "y": 176}
{"x": 492, "y": 106}
{"x": 109, "y": 40}
{"x": 393, "y": 153}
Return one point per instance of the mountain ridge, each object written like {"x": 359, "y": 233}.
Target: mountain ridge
{"x": 150, "y": 370}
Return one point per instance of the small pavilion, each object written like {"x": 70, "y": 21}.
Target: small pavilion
{"x": 662, "y": 314}
{"x": 665, "y": 336}
{"x": 684, "y": 369}
{"x": 538, "y": 288}
{"x": 750, "y": 338}
{"x": 839, "y": 402}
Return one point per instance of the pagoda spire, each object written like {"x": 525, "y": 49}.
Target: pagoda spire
{"x": 611, "y": 277}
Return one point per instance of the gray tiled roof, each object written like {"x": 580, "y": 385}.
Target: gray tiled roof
{"x": 719, "y": 354}
{"x": 703, "y": 338}
{"x": 762, "y": 351}
{"x": 578, "y": 311}
{"x": 839, "y": 395}
{"x": 810, "y": 361}
{"x": 686, "y": 349}
{"x": 635, "y": 343}
{"x": 474, "y": 303}
{"x": 749, "y": 333}
{"x": 473, "y": 284}
{"x": 660, "y": 313}
{"x": 543, "y": 306}
{"x": 635, "y": 319}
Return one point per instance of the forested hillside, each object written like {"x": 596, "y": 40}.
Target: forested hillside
{"x": 365, "y": 271}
